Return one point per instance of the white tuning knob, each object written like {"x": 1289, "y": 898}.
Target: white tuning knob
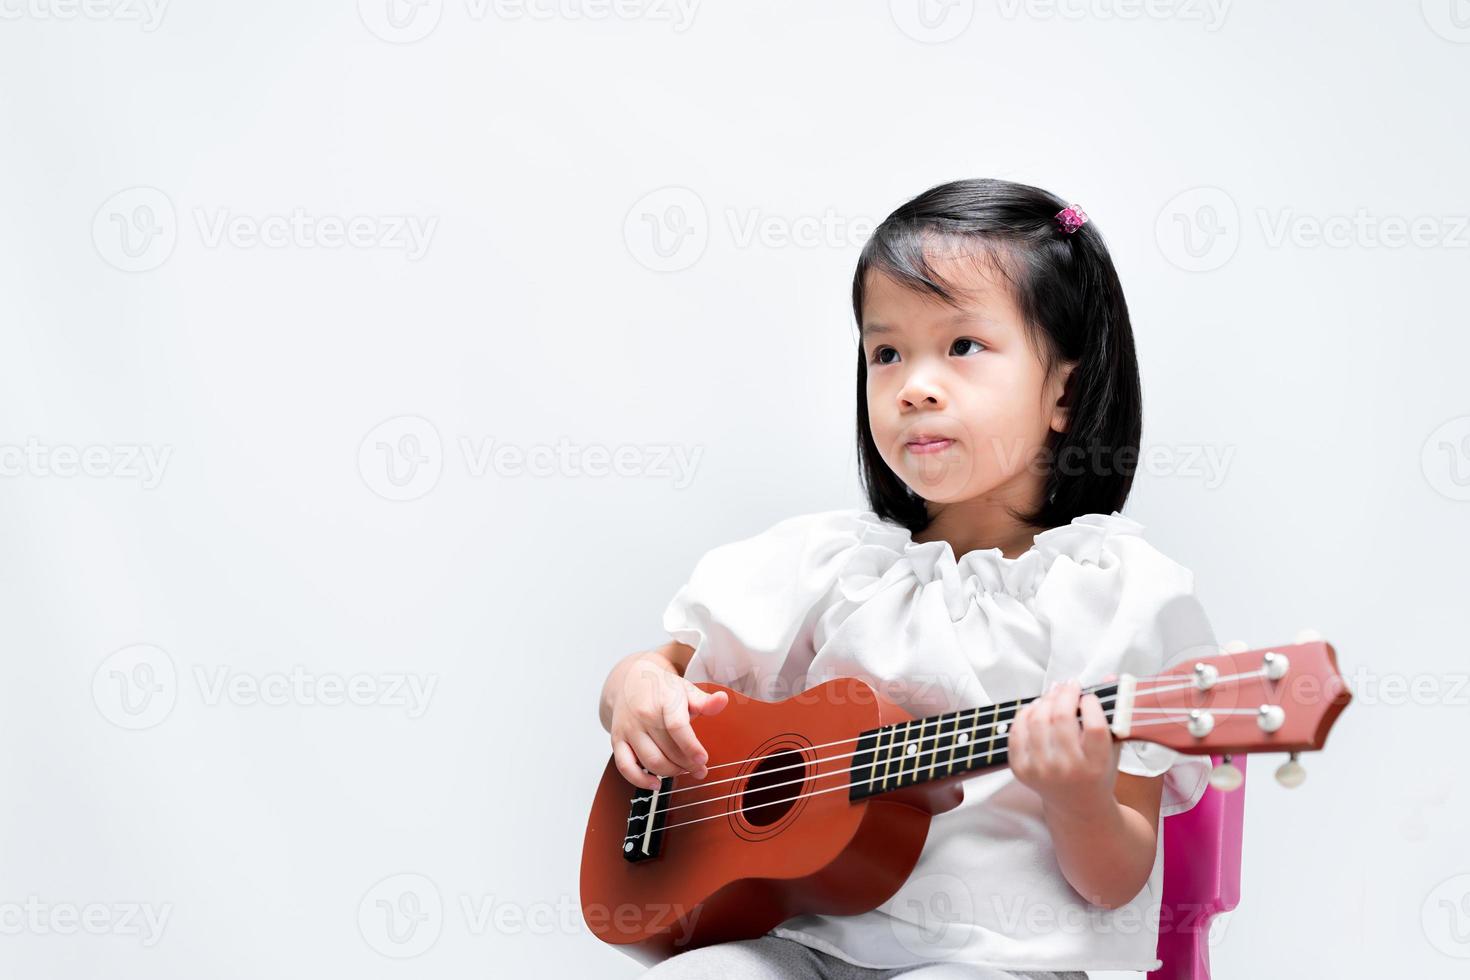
{"x": 1225, "y": 776}
{"x": 1270, "y": 717}
{"x": 1291, "y": 773}
{"x": 1235, "y": 646}
{"x": 1307, "y": 636}
{"x": 1200, "y": 723}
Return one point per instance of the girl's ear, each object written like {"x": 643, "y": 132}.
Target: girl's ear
{"x": 1059, "y": 397}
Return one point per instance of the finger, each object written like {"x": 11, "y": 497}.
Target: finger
{"x": 631, "y": 767}
{"x": 1017, "y": 749}
{"x": 703, "y": 702}
{"x": 1065, "y": 732}
{"x": 651, "y": 757}
{"x": 1097, "y": 739}
{"x": 1038, "y": 731}
{"x": 670, "y": 750}
{"x": 628, "y": 765}
{"x": 688, "y": 752}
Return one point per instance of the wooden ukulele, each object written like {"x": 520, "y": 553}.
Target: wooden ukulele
{"x": 821, "y": 803}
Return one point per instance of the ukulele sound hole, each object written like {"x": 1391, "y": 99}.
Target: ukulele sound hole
{"x": 773, "y": 788}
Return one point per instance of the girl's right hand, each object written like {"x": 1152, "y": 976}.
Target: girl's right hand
{"x": 650, "y": 724}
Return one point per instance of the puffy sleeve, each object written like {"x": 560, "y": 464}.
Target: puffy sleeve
{"x": 750, "y": 607}
{"x": 1136, "y": 611}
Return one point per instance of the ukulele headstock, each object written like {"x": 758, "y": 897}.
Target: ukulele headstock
{"x": 1275, "y": 699}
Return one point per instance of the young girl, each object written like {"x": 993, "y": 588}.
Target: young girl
{"x": 998, "y": 420}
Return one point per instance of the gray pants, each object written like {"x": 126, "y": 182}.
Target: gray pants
{"x": 776, "y": 958}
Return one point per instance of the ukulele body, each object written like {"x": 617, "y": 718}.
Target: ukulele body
{"x": 736, "y": 867}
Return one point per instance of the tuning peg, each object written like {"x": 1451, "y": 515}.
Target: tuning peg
{"x": 1291, "y": 773}
{"x": 1307, "y": 636}
{"x": 1235, "y": 646}
{"x": 1225, "y": 776}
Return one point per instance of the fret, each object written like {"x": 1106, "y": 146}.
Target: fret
{"x": 972, "y": 734}
{"x": 895, "y": 754}
{"x": 947, "y": 736}
{"x": 884, "y": 754}
{"x": 928, "y": 745}
{"x": 885, "y": 757}
{"x": 956, "y": 732}
{"x": 982, "y": 729}
{"x": 912, "y": 743}
{"x": 995, "y": 730}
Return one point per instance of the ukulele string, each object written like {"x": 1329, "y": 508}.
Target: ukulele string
{"x": 1161, "y": 685}
{"x": 842, "y": 741}
{"x": 969, "y": 756}
{"x": 993, "y": 745}
{"x": 832, "y": 789}
{"x": 978, "y": 729}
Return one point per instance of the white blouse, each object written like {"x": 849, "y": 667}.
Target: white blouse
{"x": 845, "y": 593}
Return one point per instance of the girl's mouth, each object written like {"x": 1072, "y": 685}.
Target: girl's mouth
{"x": 930, "y": 446}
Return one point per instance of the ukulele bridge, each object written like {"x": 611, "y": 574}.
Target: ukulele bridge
{"x": 646, "y": 817}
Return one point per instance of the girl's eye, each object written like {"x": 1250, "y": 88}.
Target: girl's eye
{"x": 878, "y": 353}
{"x": 968, "y": 340}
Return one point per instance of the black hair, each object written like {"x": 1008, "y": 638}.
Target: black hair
{"x": 1074, "y": 311}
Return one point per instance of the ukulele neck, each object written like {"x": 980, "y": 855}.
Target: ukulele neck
{"x": 957, "y": 743}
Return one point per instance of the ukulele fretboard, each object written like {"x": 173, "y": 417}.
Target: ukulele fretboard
{"x": 940, "y": 746}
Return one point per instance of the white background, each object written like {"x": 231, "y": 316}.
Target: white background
{"x": 1208, "y": 145}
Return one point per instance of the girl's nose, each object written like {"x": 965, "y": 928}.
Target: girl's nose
{"x": 918, "y": 390}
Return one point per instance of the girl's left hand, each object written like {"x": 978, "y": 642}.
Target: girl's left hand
{"x": 1073, "y": 767}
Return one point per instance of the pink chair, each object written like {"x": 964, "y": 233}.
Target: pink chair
{"x": 1201, "y": 878}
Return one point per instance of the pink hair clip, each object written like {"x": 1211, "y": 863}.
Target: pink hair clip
{"x": 1071, "y": 218}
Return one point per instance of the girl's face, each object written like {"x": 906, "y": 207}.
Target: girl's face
{"x": 958, "y": 402}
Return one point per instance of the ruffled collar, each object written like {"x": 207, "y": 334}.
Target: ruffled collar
{"x": 886, "y": 552}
